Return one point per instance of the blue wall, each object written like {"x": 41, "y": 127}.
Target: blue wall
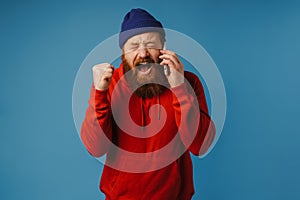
{"x": 256, "y": 46}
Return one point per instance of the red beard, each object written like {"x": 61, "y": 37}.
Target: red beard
{"x": 147, "y": 86}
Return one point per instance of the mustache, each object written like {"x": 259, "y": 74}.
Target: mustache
{"x": 143, "y": 60}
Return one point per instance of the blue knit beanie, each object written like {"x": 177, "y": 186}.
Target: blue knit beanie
{"x": 138, "y": 21}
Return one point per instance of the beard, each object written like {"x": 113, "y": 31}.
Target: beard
{"x": 147, "y": 86}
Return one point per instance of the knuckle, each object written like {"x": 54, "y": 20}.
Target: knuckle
{"x": 96, "y": 68}
{"x": 173, "y": 53}
{"x": 97, "y": 65}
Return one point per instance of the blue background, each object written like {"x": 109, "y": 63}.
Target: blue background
{"x": 255, "y": 45}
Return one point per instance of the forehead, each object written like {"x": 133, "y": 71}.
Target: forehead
{"x": 143, "y": 37}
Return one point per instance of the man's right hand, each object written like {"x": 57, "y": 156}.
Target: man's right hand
{"x": 102, "y": 74}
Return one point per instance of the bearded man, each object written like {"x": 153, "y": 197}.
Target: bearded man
{"x": 146, "y": 116}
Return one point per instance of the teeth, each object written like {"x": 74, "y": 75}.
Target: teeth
{"x": 143, "y": 63}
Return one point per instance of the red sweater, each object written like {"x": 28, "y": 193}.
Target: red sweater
{"x": 143, "y": 174}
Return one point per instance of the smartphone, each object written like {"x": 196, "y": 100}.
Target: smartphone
{"x": 166, "y": 67}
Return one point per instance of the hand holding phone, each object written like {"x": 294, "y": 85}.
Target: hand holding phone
{"x": 173, "y": 67}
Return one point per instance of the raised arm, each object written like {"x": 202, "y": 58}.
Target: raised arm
{"x": 196, "y": 129}
{"x": 96, "y": 129}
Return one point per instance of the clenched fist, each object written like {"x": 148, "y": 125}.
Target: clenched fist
{"x": 102, "y": 74}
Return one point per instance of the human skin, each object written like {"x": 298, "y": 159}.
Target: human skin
{"x": 137, "y": 48}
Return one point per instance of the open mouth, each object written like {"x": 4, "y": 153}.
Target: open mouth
{"x": 144, "y": 67}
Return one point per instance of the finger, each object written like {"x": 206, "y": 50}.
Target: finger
{"x": 100, "y": 71}
{"x": 110, "y": 67}
{"x": 170, "y": 57}
{"x": 109, "y": 70}
{"x": 166, "y": 51}
{"x": 102, "y": 67}
{"x": 170, "y": 63}
{"x": 171, "y": 53}
{"x": 107, "y": 74}
{"x": 106, "y": 78}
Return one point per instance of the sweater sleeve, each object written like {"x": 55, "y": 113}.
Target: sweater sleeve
{"x": 96, "y": 129}
{"x": 195, "y": 126}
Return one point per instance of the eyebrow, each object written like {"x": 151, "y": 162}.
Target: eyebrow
{"x": 145, "y": 42}
{"x": 134, "y": 43}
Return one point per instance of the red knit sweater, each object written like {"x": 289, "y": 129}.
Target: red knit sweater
{"x": 140, "y": 173}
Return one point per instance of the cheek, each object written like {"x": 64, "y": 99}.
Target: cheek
{"x": 130, "y": 59}
{"x": 155, "y": 56}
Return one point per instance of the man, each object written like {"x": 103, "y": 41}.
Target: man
{"x": 146, "y": 117}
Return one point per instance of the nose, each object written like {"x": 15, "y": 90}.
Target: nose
{"x": 143, "y": 52}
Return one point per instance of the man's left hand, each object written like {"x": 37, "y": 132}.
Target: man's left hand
{"x": 175, "y": 75}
